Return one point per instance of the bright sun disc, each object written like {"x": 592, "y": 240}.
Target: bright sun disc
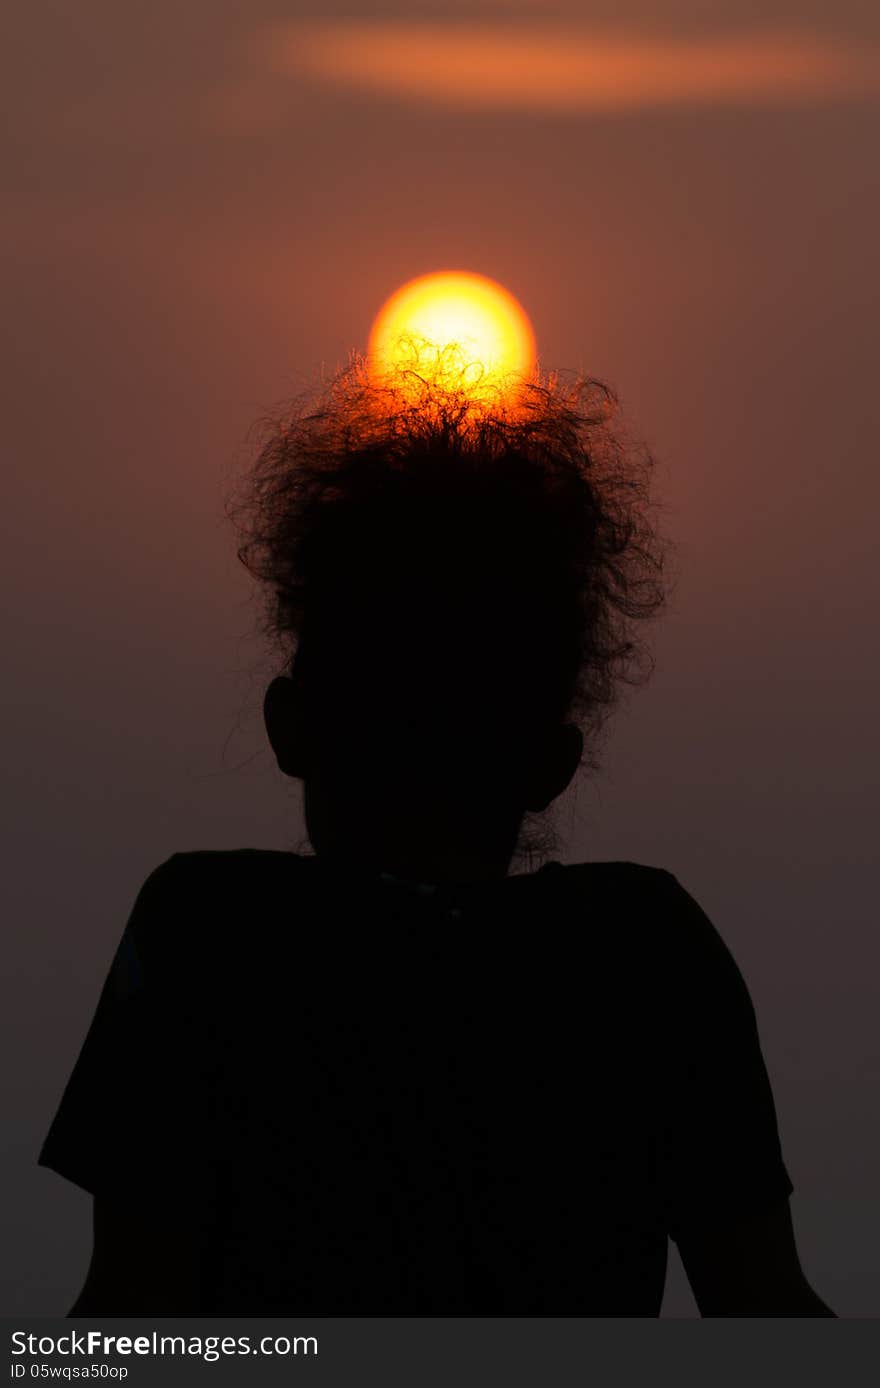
{"x": 460, "y": 331}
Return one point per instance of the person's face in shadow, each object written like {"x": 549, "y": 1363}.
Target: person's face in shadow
{"x": 418, "y": 745}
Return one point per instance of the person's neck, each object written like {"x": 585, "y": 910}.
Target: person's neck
{"x": 425, "y": 869}
{"x": 448, "y": 871}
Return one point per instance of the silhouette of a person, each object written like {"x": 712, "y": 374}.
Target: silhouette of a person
{"x": 392, "y": 1077}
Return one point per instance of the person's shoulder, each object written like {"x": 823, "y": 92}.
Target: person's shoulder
{"x": 652, "y": 907}
{"x": 200, "y": 858}
{"x": 686, "y": 946}
{"x": 620, "y": 879}
{"x": 618, "y": 904}
{"x": 633, "y": 885}
{"x": 228, "y": 862}
{"x": 208, "y": 869}
{"x": 198, "y": 896}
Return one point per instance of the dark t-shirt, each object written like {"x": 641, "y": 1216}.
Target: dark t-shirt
{"x": 374, "y": 1100}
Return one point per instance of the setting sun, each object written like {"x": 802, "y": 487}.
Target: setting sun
{"x": 460, "y": 331}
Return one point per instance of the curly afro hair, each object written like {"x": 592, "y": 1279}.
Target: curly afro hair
{"x": 498, "y": 560}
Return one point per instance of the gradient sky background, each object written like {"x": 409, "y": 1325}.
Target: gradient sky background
{"x": 205, "y": 202}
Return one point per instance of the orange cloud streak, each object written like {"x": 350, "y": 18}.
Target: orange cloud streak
{"x": 546, "y": 68}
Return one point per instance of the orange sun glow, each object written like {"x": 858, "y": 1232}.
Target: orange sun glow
{"x": 455, "y": 330}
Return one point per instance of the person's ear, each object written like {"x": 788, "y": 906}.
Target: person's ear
{"x": 555, "y": 768}
{"x": 284, "y": 716}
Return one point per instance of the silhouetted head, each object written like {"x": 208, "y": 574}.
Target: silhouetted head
{"x": 454, "y": 593}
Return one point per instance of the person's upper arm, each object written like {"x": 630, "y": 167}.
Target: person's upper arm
{"x": 115, "y": 1112}
{"x": 145, "y": 1259}
{"x": 725, "y": 1185}
{"x": 749, "y": 1267}
{"x": 124, "y": 1128}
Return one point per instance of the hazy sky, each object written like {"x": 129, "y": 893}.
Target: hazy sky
{"x": 205, "y": 203}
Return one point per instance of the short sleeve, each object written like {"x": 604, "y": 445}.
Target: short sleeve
{"x": 120, "y": 1119}
{"x": 720, "y": 1152}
